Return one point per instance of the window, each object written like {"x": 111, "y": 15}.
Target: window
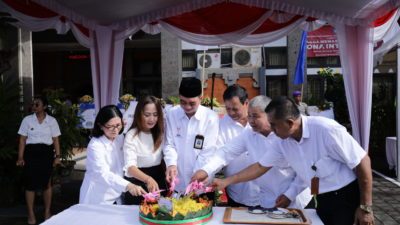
{"x": 276, "y": 85}
{"x": 189, "y": 60}
{"x": 226, "y": 57}
{"x": 315, "y": 90}
{"x": 319, "y": 62}
{"x": 276, "y": 57}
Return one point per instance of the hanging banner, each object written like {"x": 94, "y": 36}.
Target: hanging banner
{"x": 322, "y": 42}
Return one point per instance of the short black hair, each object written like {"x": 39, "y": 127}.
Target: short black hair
{"x": 283, "y": 108}
{"x": 235, "y": 91}
{"x": 105, "y": 114}
{"x": 41, "y": 98}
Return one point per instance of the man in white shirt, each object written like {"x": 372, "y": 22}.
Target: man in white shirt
{"x": 285, "y": 188}
{"x": 230, "y": 126}
{"x": 191, "y": 135}
{"x": 325, "y": 157}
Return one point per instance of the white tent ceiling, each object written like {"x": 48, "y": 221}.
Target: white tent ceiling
{"x": 108, "y": 12}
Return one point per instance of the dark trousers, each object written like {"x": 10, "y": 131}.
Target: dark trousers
{"x": 233, "y": 203}
{"x": 157, "y": 173}
{"x": 339, "y": 207}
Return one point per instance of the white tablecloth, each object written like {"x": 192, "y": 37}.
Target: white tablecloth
{"x": 127, "y": 215}
{"x": 314, "y": 111}
{"x": 391, "y": 152}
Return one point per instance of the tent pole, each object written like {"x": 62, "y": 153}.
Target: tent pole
{"x": 397, "y": 113}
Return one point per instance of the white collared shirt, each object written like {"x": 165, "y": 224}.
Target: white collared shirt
{"x": 279, "y": 180}
{"x": 325, "y": 144}
{"x": 103, "y": 182}
{"x": 39, "y": 133}
{"x": 246, "y": 193}
{"x": 139, "y": 151}
{"x": 180, "y": 136}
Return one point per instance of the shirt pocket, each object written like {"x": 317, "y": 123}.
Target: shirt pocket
{"x": 326, "y": 166}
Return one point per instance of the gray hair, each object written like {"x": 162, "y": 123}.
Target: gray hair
{"x": 260, "y": 101}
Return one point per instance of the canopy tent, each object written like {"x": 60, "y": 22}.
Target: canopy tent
{"x": 103, "y": 25}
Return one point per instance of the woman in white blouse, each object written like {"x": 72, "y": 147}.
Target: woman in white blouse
{"x": 103, "y": 182}
{"x": 38, "y": 152}
{"x": 142, "y": 148}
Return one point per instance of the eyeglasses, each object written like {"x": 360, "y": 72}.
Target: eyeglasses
{"x": 112, "y": 128}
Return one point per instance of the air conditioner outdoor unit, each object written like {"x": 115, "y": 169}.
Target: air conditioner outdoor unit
{"x": 246, "y": 57}
{"x": 211, "y": 60}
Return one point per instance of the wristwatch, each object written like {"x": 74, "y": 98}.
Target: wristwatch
{"x": 366, "y": 208}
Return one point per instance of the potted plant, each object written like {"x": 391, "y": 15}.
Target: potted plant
{"x": 68, "y": 120}
{"x": 10, "y": 119}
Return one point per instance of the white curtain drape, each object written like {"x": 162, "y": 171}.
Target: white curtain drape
{"x": 107, "y": 52}
{"x": 356, "y": 55}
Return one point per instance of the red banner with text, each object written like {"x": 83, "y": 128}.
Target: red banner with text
{"x": 322, "y": 42}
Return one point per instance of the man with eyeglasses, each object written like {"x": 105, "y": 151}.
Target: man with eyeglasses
{"x": 285, "y": 189}
{"x": 191, "y": 134}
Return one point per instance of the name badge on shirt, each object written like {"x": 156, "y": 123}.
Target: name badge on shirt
{"x": 315, "y": 186}
{"x": 198, "y": 142}
{"x": 314, "y": 182}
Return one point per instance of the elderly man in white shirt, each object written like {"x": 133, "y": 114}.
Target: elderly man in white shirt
{"x": 285, "y": 190}
{"x": 230, "y": 126}
{"x": 191, "y": 135}
{"x": 325, "y": 157}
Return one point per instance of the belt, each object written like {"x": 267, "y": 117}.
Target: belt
{"x": 345, "y": 189}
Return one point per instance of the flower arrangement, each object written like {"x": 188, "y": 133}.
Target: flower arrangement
{"x": 188, "y": 206}
{"x": 325, "y": 72}
{"x": 206, "y": 101}
{"x": 174, "y": 100}
{"x": 126, "y": 100}
{"x": 86, "y": 99}
{"x": 325, "y": 106}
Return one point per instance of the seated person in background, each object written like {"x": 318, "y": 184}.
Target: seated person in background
{"x": 280, "y": 188}
{"x": 325, "y": 157}
{"x": 300, "y": 105}
{"x": 191, "y": 135}
{"x": 142, "y": 149}
{"x": 103, "y": 182}
{"x": 230, "y": 126}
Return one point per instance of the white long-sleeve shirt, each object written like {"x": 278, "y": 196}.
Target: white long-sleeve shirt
{"x": 139, "y": 151}
{"x": 279, "y": 180}
{"x": 325, "y": 144}
{"x": 103, "y": 182}
{"x": 180, "y": 136}
{"x": 246, "y": 193}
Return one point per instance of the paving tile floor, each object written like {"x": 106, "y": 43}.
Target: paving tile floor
{"x": 386, "y": 197}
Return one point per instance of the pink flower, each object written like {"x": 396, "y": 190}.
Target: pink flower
{"x": 152, "y": 196}
{"x": 198, "y": 188}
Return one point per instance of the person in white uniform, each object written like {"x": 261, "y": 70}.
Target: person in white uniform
{"x": 285, "y": 190}
{"x": 103, "y": 182}
{"x": 325, "y": 156}
{"x": 142, "y": 149}
{"x": 38, "y": 153}
{"x": 231, "y": 125}
{"x": 191, "y": 135}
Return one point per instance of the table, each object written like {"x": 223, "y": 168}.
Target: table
{"x": 391, "y": 152}
{"x": 82, "y": 214}
{"x": 314, "y": 111}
